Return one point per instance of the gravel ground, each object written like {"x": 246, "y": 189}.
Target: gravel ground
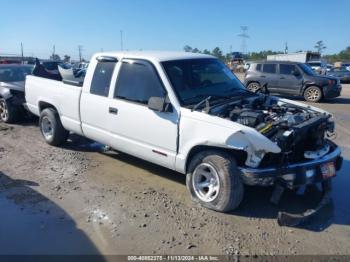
{"x": 80, "y": 199}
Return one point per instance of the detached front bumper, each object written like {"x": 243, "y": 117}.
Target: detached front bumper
{"x": 296, "y": 175}
{"x": 293, "y": 175}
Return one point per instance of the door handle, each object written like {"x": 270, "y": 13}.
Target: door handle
{"x": 282, "y": 78}
{"x": 263, "y": 76}
{"x": 113, "y": 110}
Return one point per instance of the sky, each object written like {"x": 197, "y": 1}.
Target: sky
{"x": 170, "y": 25}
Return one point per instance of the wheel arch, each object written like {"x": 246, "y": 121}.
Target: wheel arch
{"x": 44, "y": 105}
{"x": 252, "y": 81}
{"x": 5, "y": 93}
{"x": 239, "y": 155}
{"x": 308, "y": 84}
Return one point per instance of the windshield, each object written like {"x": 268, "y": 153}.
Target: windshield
{"x": 14, "y": 74}
{"x": 195, "y": 79}
{"x": 307, "y": 69}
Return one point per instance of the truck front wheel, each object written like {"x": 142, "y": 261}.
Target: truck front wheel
{"x": 51, "y": 127}
{"x": 213, "y": 180}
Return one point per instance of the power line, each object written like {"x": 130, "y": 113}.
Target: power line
{"x": 80, "y": 50}
{"x": 121, "y": 40}
{"x": 286, "y": 47}
{"x": 22, "y": 53}
{"x": 244, "y": 37}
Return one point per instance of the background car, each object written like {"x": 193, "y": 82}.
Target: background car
{"x": 346, "y": 66}
{"x": 318, "y": 66}
{"x": 342, "y": 73}
{"x": 292, "y": 79}
{"x": 51, "y": 65}
{"x": 329, "y": 67}
{"x": 12, "y": 79}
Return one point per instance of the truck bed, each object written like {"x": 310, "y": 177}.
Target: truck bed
{"x": 64, "y": 96}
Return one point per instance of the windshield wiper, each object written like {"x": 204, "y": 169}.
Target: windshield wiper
{"x": 207, "y": 97}
{"x": 205, "y": 100}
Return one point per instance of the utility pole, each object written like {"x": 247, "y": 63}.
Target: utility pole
{"x": 53, "y": 52}
{"x": 22, "y": 53}
{"x": 121, "y": 40}
{"x": 80, "y": 50}
{"x": 286, "y": 47}
{"x": 244, "y": 37}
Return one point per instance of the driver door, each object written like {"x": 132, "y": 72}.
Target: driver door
{"x": 135, "y": 128}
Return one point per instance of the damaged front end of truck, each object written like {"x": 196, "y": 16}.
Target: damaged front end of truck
{"x": 303, "y": 135}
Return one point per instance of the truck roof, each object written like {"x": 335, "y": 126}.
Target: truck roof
{"x": 154, "y": 55}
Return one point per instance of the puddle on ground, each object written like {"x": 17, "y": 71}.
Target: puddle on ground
{"x": 341, "y": 192}
{"x": 28, "y": 229}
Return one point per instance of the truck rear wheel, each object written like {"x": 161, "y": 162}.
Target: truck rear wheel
{"x": 213, "y": 180}
{"x": 51, "y": 127}
{"x": 8, "y": 112}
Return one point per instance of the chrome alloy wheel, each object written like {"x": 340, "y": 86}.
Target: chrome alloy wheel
{"x": 46, "y": 128}
{"x": 206, "y": 183}
{"x": 313, "y": 94}
{"x": 253, "y": 87}
{"x": 4, "y": 113}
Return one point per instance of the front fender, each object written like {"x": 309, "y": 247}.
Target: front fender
{"x": 204, "y": 130}
{"x": 5, "y": 93}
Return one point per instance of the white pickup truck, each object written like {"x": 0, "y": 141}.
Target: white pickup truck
{"x": 189, "y": 113}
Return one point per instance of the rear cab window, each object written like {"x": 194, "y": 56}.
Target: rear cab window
{"x": 101, "y": 79}
{"x": 269, "y": 68}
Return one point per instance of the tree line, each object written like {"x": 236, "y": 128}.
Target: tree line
{"x": 343, "y": 55}
{"x": 228, "y": 56}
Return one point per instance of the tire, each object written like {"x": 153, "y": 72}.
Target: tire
{"x": 313, "y": 94}
{"x": 227, "y": 193}
{"x": 51, "y": 127}
{"x": 8, "y": 112}
{"x": 253, "y": 87}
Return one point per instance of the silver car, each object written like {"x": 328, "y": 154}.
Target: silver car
{"x": 12, "y": 79}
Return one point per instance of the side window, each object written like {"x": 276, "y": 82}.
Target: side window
{"x": 269, "y": 68}
{"x": 102, "y": 78}
{"x": 258, "y": 67}
{"x": 138, "y": 81}
{"x": 287, "y": 69}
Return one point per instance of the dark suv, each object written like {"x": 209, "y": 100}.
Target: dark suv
{"x": 291, "y": 78}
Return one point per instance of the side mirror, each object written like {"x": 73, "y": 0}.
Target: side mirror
{"x": 159, "y": 104}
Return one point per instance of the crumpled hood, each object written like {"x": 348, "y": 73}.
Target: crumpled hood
{"x": 231, "y": 133}
{"x": 303, "y": 105}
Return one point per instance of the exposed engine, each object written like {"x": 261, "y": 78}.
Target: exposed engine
{"x": 299, "y": 132}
